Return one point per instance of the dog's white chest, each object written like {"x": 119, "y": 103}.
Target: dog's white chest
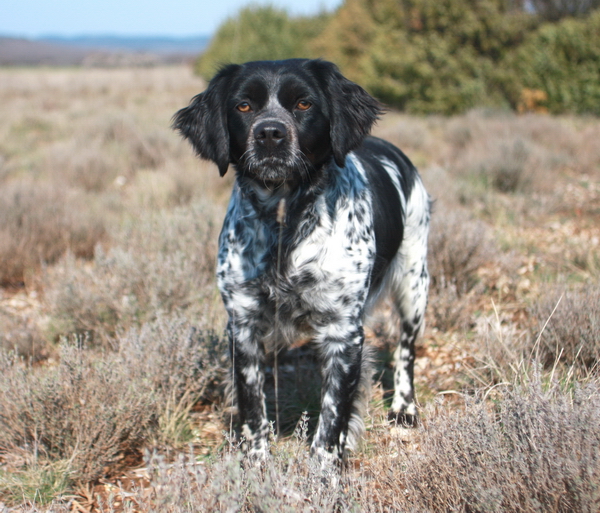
{"x": 324, "y": 275}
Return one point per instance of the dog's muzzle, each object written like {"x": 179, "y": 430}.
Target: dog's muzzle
{"x": 272, "y": 157}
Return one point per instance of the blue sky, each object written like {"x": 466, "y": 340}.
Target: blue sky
{"x": 35, "y": 18}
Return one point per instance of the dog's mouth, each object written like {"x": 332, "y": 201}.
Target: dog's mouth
{"x": 272, "y": 170}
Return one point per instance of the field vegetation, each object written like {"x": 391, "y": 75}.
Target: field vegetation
{"x": 113, "y": 363}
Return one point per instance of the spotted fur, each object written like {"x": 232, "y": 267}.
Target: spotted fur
{"x": 322, "y": 220}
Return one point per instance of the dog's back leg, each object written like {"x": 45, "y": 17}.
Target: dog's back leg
{"x": 409, "y": 284}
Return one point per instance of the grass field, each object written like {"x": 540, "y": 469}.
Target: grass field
{"x": 112, "y": 357}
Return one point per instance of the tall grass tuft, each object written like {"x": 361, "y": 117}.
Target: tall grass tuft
{"x": 568, "y": 327}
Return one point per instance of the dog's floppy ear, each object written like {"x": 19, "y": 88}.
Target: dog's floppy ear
{"x": 353, "y": 110}
{"x": 204, "y": 121}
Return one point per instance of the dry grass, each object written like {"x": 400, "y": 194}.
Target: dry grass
{"x": 39, "y": 223}
{"x": 534, "y": 447}
{"x": 160, "y": 263}
{"x": 569, "y": 327}
{"x": 92, "y": 411}
{"x": 80, "y": 147}
{"x": 113, "y": 363}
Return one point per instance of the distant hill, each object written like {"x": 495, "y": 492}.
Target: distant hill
{"x": 98, "y": 50}
{"x": 162, "y": 45}
{"x": 14, "y": 52}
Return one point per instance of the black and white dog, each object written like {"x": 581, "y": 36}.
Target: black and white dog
{"x": 322, "y": 219}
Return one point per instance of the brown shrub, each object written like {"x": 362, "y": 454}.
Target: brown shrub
{"x": 458, "y": 246}
{"x": 569, "y": 327}
{"x": 447, "y": 308}
{"x": 86, "y": 410}
{"x": 38, "y": 223}
{"x": 91, "y": 409}
{"x": 508, "y": 164}
{"x": 509, "y": 154}
{"x": 506, "y": 172}
{"x": 588, "y": 151}
{"x": 537, "y": 449}
{"x": 85, "y": 166}
{"x": 160, "y": 263}
{"x": 71, "y": 144}
{"x": 21, "y": 335}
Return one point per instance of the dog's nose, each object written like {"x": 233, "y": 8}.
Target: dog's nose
{"x": 270, "y": 134}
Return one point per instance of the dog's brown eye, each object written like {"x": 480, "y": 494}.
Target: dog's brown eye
{"x": 303, "y": 105}
{"x": 244, "y": 107}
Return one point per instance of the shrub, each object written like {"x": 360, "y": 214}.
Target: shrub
{"x": 509, "y": 154}
{"x": 20, "y": 334}
{"x": 425, "y": 56}
{"x": 563, "y": 61}
{"x": 537, "y": 449}
{"x": 38, "y": 223}
{"x": 83, "y": 411}
{"x": 159, "y": 263}
{"x": 447, "y": 307}
{"x": 505, "y": 168}
{"x": 556, "y": 9}
{"x": 458, "y": 247}
{"x": 569, "y": 327}
{"x": 92, "y": 410}
{"x": 105, "y": 150}
{"x": 259, "y": 33}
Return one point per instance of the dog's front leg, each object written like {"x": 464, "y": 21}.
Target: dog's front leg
{"x": 247, "y": 356}
{"x": 341, "y": 371}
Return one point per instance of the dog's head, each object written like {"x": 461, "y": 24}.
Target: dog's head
{"x": 278, "y": 120}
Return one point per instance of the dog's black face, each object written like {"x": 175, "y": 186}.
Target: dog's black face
{"x": 278, "y": 124}
{"x": 278, "y": 121}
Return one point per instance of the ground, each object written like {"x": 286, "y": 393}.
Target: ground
{"x": 115, "y": 400}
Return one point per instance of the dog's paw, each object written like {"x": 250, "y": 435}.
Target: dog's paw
{"x": 325, "y": 459}
{"x": 256, "y": 458}
{"x": 403, "y": 419}
{"x": 325, "y": 467}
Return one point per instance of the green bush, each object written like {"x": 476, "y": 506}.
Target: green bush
{"x": 426, "y": 56}
{"x": 432, "y": 56}
{"x": 562, "y": 60}
{"x": 259, "y": 33}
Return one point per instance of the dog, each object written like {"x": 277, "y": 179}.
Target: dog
{"x": 323, "y": 219}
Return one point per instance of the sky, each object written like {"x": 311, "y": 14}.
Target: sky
{"x": 179, "y": 18}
